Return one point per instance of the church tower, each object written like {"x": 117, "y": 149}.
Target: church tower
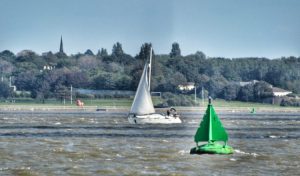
{"x": 61, "y": 48}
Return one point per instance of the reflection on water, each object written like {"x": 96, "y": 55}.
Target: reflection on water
{"x": 104, "y": 143}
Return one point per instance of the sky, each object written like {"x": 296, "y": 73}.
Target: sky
{"x": 219, "y": 28}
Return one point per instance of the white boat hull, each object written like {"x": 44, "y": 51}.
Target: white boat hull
{"x": 153, "y": 119}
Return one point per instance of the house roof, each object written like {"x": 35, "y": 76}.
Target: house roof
{"x": 276, "y": 89}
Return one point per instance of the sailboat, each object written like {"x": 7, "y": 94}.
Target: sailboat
{"x": 142, "y": 110}
{"x": 211, "y": 130}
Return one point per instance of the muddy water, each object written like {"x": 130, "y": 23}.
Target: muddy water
{"x": 102, "y": 143}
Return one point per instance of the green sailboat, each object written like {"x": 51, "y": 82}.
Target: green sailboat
{"x": 211, "y": 130}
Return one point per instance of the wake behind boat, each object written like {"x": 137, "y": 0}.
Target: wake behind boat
{"x": 142, "y": 110}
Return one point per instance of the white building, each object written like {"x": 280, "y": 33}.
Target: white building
{"x": 278, "y": 92}
{"x": 47, "y": 67}
{"x": 244, "y": 83}
{"x": 186, "y": 87}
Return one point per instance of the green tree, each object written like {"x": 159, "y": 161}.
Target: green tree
{"x": 104, "y": 82}
{"x": 5, "y": 90}
{"x": 26, "y": 80}
{"x": 145, "y": 52}
{"x": 215, "y": 86}
{"x": 89, "y": 52}
{"x": 246, "y": 93}
{"x": 50, "y": 58}
{"x": 26, "y": 56}
{"x": 175, "y": 51}
{"x": 117, "y": 50}
{"x": 123, "y": 82}
{"x": 102, "y": 53}
{"x": 262, "y": 90}
{"x": 61, "y": 92}
{"x": 41, "y": 90}
{"x": 6, "y": 68}
{"x": 200, "y": 55}
{"x": 7, "y": 55}
{"x": 230, "y": 73}
{"x": 230, "y": 92}
{"x": 77, "y": 78}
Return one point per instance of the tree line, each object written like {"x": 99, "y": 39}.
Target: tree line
{"x": 51, "y": 74}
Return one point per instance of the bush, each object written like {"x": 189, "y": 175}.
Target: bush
{"x": 79, "y": 95}
{"x": 177, "y": 100}
{"x": 162, "y": 105}
{"x": 290, "y": 102}
{"x": 5, "y": 90}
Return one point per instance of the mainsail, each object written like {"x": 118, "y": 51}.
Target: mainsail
{"x": 142, "y": 103}
{"x": 211, "y": 128}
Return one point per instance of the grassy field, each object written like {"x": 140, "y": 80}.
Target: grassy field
{"x": 123, "y": 104}
{"x": 126, "y": 102}
{"x": 223, "y": 103}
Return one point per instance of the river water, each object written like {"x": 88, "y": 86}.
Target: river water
{"x": 103, "y": 143}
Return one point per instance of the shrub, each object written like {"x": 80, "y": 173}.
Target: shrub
{"x": 290, "y": 102}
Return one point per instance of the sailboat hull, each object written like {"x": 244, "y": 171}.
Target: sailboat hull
{"x": 153, "y": 119}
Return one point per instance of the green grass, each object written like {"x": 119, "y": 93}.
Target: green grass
{"x": 118, "y": 102}
{"x": 224, "y": 103}
{"x": 114, "y": 102}
{"x": 87, "y": 102}
{"x": 126, "y": 102}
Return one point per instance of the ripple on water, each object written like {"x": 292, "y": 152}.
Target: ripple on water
{"x": 99, "y": 144}
{"x": 245, "y": 153}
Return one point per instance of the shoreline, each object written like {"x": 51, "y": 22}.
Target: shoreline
{"x": 52, "y": 108}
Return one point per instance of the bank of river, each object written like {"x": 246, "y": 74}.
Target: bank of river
{"x": 62, "y": 108}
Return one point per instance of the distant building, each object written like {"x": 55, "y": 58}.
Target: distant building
{"x": 61, "y": 53}
{"x": 186, "y": 87}
{"x": 278, "y": 95}
{"x": 242, "y": 84}
{"x": 278, "y": 92}
{"x": 61, "y": 47}
{"x": 48, "y": 67}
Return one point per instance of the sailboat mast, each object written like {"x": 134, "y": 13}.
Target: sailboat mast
{"x": 150, "y": 69}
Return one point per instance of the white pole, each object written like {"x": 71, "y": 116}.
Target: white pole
{"x": 195, "y": 94}
{"x": 202, "y": 96}
{"x": 71, "y": 94}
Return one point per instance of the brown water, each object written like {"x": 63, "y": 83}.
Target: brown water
{"x": 40, "y": 143}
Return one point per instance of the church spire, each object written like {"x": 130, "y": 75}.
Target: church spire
{"x": 61, "y": 48}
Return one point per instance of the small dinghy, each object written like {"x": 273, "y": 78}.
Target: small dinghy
{"x": 211, "y": 130}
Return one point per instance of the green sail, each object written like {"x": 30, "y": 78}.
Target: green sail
{"x": 211, "y": 128}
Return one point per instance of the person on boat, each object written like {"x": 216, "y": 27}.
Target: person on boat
{"x": 168, "y": 112}
{"x": 174, "y": 112}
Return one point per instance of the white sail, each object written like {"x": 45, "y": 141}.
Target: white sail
{"x": 142, "y": 103}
